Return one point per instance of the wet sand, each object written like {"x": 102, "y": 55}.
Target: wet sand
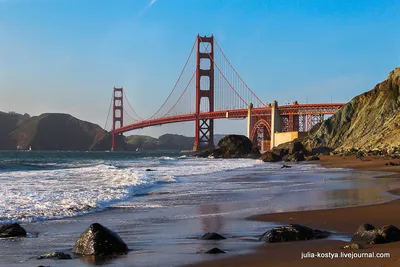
{"x": 341, "y": 220}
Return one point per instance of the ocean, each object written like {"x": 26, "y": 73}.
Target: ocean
{"x": 160, "y": 213}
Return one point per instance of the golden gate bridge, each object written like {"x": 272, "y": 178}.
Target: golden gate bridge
{"x": 209, "y": 88}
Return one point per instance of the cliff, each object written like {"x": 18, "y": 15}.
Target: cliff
{"x": 369, "y": 121}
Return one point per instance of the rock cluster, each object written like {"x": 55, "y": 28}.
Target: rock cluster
{"x": 292, "y": 232}
{"x": 232, "y": 146}
{"x": 367, "y": 233}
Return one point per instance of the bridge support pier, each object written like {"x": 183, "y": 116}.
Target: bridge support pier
{"x": 204, "y": 128}
{"x": 276, "y": 125}
{"x": 117, "y": 142}
{"x": 249, "y": 121}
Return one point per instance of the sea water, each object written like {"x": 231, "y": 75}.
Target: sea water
{"x": 160, "y": 213}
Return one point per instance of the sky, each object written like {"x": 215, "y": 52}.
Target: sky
{"x": 67, "y": 55}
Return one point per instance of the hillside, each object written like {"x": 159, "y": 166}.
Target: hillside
{"x": 51, "y": 131}
{"x": 369, "y": 121}
{"x": 164, "y": 142}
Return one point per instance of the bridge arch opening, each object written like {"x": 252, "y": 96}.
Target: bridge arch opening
{"x": 261, "y": 135}
{"x": 205, "y": 63}
{"x": 204, "y": 104}
{"x": 205, "y": 83}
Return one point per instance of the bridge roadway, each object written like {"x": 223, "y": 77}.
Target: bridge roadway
{"x": 295, "y": 109}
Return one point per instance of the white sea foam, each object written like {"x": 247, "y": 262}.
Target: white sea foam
{"x": 48, "y": 194}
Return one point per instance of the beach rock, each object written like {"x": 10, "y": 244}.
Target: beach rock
{"x": 297, "y": 156}
{"x": 99, "y": 240}
{"x": 215, "y": 251}
{"x": 313, "y": 158}
{"x": 236, "y": 146}
{"x": 286, "y": 167}
{"x": 297, "y": 146}
{"x": 55, "y": 255}
{"x": 390, "y": 233}
{"x": 368, "y": 234}
{"x": 369, "y": 237}
{"x": 269, "y": 156}
{"x": 392, "y": 164}
{"x": 365, "y": 227}
{"x": 205, "y": 153}
{"x": 212, "y": 236}
{"x": 12, "y": 230}
{"x": 292, "y": 232}
{"x": 281, "y": 151}
{"x": 149, "y": 170}
{"x": 353, "y": 246}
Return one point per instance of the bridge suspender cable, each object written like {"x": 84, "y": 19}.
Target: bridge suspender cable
{"x": 187, "y": 86}
{"x": 223, "y": 76}
{"x": 173, "y": 89}
{"x": 129, "y": 104}
{"x": 238, "y": 75}
{"x": 109, "y": 109}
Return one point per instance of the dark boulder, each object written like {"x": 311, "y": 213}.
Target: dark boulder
{"x": 392, "y": 164}
{"x": 215, "y": 251}
{"x": 365, "y": 227}
{"x": 99, "y": 240}
{"x": 205, "y": 153}
{"x": 292, "y": 232}
{"x": 216, "y": 153}
{"x": 295, "y": 157}
{"x": 269, "y": 156}
{"x": 366, "y": 233}
{"x": 236, "y": 146}
{"x": 212, "y": 236}
{"x": 313, "y": 158}
{"x": 55, "y": 255}
{"x": 280, "y": 151}
{"x": 324, "y": 150}
{"x": 286, "y": 167}
{"x": 12, "y": 230}
{"x": 390, "y": 233}
{"x": 297, "y": 146}
{"x": 149, "y": 170}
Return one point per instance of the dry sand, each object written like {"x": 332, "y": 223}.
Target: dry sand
{"x": 343, "y": 220}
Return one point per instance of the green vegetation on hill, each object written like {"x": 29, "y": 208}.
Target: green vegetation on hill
{"x": 164, "y": 142}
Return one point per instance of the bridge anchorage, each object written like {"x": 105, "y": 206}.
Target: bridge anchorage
{"x": 209, "y": 88}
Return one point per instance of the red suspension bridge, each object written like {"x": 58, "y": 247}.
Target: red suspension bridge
{"x": 209, "y": 88}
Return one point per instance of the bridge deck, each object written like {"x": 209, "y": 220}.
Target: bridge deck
{"x": 298, "y": 109}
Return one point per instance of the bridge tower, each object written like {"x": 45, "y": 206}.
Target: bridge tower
{"x": 118, "y": 119}
{"x": 204, "y": 128}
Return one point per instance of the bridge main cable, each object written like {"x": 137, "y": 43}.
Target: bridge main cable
{"x": 173, "y": 89}
{"x": 238, "y": 75}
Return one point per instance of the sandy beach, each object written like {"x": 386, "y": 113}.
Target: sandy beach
{"x": 340, "y": 220}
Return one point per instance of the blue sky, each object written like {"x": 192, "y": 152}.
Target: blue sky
{"x": 67, "y": 55}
